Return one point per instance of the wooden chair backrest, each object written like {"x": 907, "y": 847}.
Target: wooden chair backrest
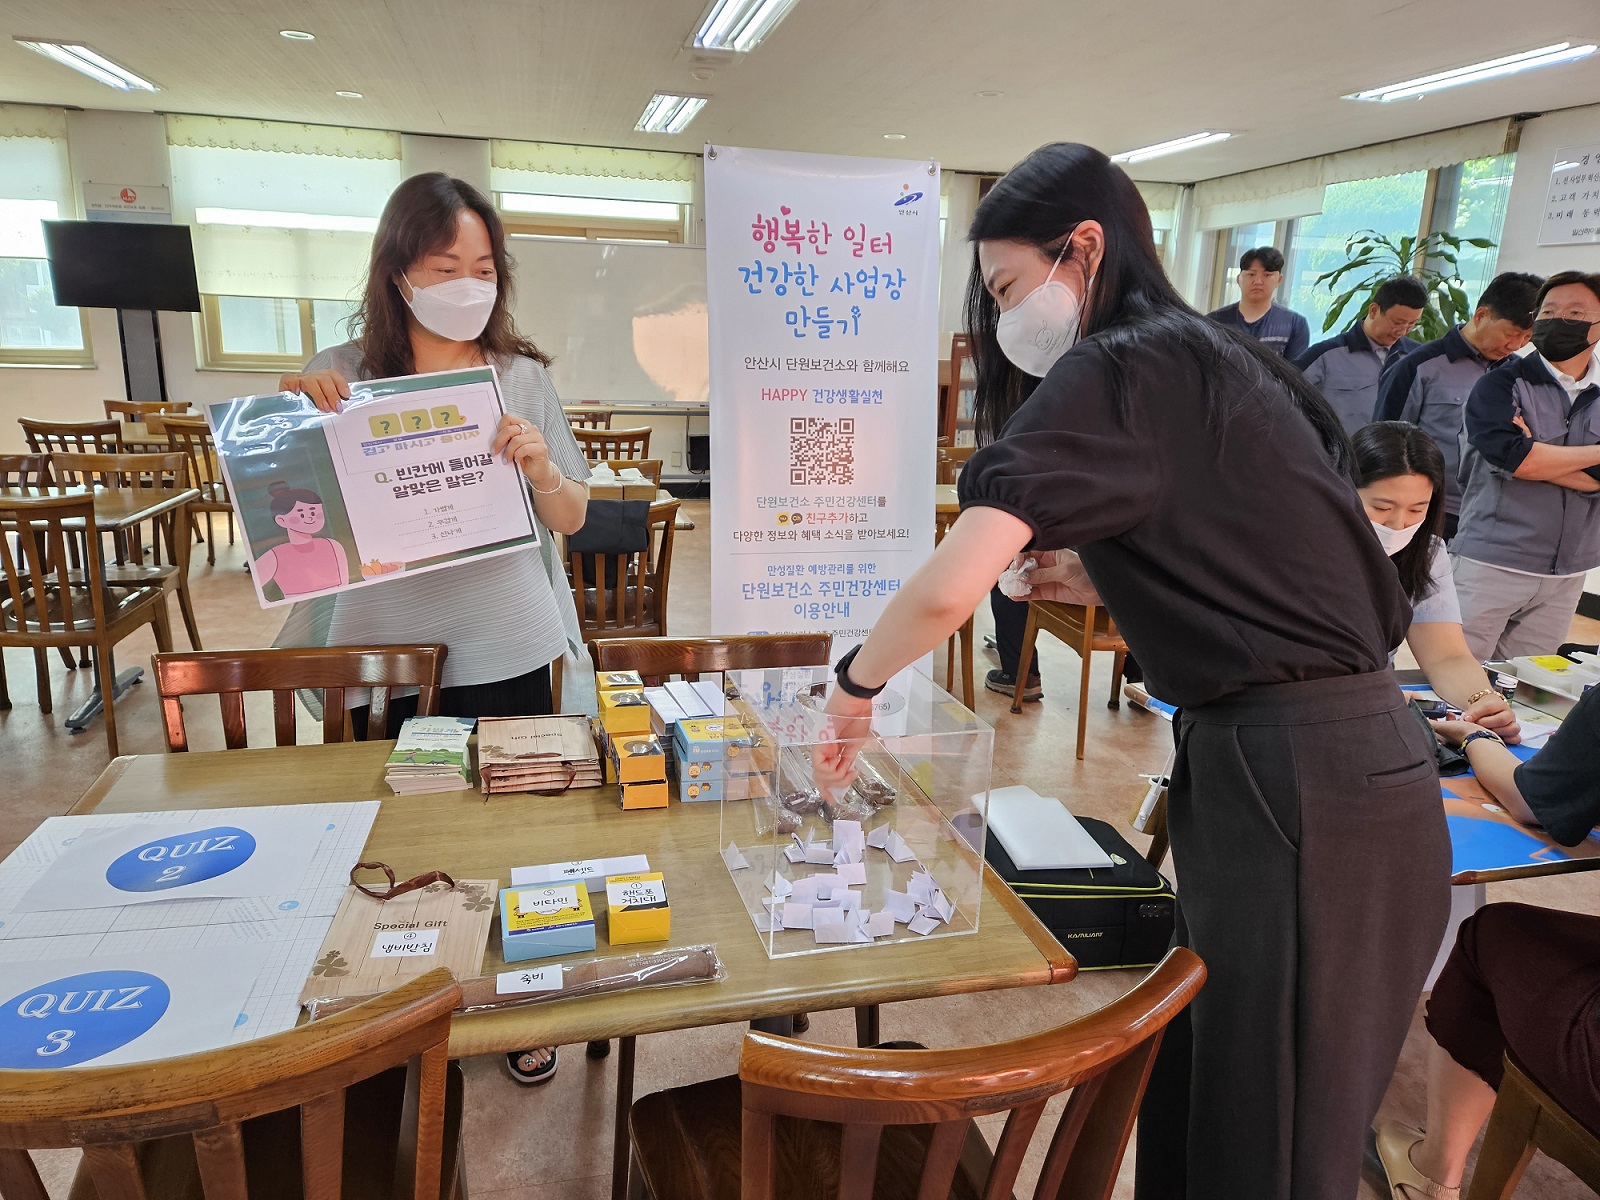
{"x": 123, "y": 470}
{"x": 589, "y": 418}
{"x": 650, "y": 468}
{"x": 39, "y": 541}
{"x": 72, "y": 437}
{"x": 1104, "y": 1058}
{"x": 1075, "y": 619}
{"x": 951, "y": 460}
{"x": 191, "y": 437}
{"x": 620, "y": 608}
{"x": 25, "y": 470}
{"x": 135, "y": 411}
{"x": 601, "y": 444}
{"x": 109, "y": 1111}
{"x": 657, "y": 658}
{"x": 229, "y": 674}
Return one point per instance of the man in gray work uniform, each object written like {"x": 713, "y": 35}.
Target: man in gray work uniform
{"x": 1429, "y": 386}
{"x": 1345, "y": 369}
{"x": 1530, "y": 517}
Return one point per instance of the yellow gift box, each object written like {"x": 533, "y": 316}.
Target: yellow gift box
{"x": 637, "y": 909}
{"x": 651, "y": 793}
{"x": 624, "y": 712}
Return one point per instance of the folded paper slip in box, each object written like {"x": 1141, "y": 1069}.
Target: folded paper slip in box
{"x": 373, "y": 945}
{"x": 537, "y": 754}
{"x": 624, "y": 712}
{"x": 637, "y": 909}
{"x": 430, "y": 756}
{"x": 537, "y": 922}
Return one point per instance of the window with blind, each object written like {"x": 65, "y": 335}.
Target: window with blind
{"x": 35, "y": 186}
{"x": 592, "y": 192}
{"x": 283, "y": 217}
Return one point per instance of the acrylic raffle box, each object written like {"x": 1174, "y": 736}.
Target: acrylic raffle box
{"x": 538, "y": 922}
{"x": 898, "y": 856}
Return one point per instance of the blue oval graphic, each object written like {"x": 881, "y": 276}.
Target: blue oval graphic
{"x": 79, "y": 1018}
{"x": 180, "y": 859}
{"x": 907, "y": 199}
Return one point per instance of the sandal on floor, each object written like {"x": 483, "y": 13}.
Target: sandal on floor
{"x": 1395, "y": 1143}
{"x": 532, "y": 1067}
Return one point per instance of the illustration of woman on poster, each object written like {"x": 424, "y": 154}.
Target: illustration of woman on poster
{"x": 305, "y": 564}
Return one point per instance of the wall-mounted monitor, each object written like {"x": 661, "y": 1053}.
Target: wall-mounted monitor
{"x": 114, "y": 264}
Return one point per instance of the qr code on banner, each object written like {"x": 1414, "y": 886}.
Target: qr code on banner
{"x": 822, "y": 451}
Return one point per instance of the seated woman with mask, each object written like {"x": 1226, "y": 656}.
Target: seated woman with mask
{"x": 1401, "y": 482}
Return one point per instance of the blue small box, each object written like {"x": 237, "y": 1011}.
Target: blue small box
{"x": 540, "y": 922}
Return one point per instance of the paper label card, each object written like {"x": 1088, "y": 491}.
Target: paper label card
{"x": 409, "y": 943}
{"x": 540, "y": 979}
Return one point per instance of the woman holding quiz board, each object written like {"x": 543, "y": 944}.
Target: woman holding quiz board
{"x": 1207, "y": 488}
{"x": 437, "y": 298}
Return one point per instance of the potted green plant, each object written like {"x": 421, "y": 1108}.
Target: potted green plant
{"x": 1372, "y": 257}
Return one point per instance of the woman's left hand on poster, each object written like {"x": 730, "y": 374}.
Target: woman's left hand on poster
{"x": 519, "y": 441}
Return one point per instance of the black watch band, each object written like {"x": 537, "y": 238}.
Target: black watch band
{"x": 842, "y": 673}
{"x": 1481, "y": 735}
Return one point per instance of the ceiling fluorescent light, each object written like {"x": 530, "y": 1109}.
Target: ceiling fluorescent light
{"x": 1545, "y": 56}
{"x": 668, "y": 113}
{"x": 265, "y": 218}
{"x": 587, "y": 206}
{"x": 95, "y": 66}
{"x": 739, "y": 25}
{"x": 1145, "y": 153}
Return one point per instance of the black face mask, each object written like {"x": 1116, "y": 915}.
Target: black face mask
{"x": 1559, "y": 339}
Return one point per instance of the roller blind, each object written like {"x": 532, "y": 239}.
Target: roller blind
{"x": 553, "y": 169}
{"x": 35, "y": 178}
{"x": 278, "y": 209}
{"x": 1294, "y": 189}
{"x": 1162, "y": 201}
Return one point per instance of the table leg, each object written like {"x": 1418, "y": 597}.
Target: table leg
{"x": 868, "y": 1032}
{"x": 621, "y": 1151}
{"x": 94, "y": 706}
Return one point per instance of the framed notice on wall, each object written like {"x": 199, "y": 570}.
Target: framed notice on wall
{"x": 402, "y": 480}
{"x": 1572, "y": 203}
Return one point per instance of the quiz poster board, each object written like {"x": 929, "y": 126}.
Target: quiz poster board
{"x": 823, "y": 287}
{"x": 402, "y": 480}
{"x": 1572, "y": 201}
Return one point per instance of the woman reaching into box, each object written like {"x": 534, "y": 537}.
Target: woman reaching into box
{"x": 1208, "y": 490}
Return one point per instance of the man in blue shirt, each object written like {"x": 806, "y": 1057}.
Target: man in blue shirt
{"x": 1260, "y": 273}
{"x": 1345, "y": 369}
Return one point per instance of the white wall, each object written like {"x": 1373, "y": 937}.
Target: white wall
{"x": 1536, "y": 154}
{"x": 119, "y": 148}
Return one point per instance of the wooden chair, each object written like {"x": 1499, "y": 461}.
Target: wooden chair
{"x": 650, "y": 468}
{"x": 941, "y": 526}
{"x": 361, "y": 1104}
{"x": 628, "y": 596}
{"x": 1526, "y": 1118}
{"x": 191, "y": 436}
{"x": 599, "y": 445}
{"x": 134, "y": 412}
{"x": 1084, "y": 627}
{"x": 25, "y": 470}
{"x": 955, "y": 415}
{"x": 169, "y": 565}
{"x": 951, "y": 460}
{"x": 589, "y": 418}
{"x": 229, "y": 674}
{"x": 815, "y": 1120}
{"x": 45, "y": 602}
{"x": 688, "y": 658}
{"x": 71, "y": 437}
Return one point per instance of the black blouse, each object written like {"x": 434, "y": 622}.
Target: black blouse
{"x": 1228, "y": 557}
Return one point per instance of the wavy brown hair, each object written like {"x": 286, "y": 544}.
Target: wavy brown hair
{"x": 421, "y": 219}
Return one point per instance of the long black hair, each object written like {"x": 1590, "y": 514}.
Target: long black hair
{"x": 1384, "y": 450}
{"x": 1040, "y": 202}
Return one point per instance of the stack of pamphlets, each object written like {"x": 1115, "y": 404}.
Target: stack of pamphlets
{"x": 537, "y": 754}
{"x": 430, "y": 756}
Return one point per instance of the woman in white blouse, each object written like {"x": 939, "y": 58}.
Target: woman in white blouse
{"x": 438, "y": 298}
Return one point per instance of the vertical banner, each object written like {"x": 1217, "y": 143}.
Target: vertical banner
{"x": 822, "y": 279}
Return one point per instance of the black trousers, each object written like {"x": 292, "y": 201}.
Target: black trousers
{"x": 523, "y": 696}
{"x": 1313, "y": 868}
{"x": 1010, "y": 625}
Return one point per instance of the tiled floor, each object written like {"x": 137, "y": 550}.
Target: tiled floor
{"x": 553, "y": 1143}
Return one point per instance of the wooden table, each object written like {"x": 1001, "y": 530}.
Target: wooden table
{"x": 945, "y": 503}
{"x": 117, "y": 509}
{"x": 460, "y": 833}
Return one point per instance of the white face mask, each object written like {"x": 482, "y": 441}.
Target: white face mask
{"x": 1394, "y": 540}
{"x": 1043, "y": 326}
{"x": 456, "y": 309}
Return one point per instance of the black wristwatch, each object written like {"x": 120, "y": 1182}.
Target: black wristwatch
{"x": 842, "y": 674}
{"x": 1478, "y": 735}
